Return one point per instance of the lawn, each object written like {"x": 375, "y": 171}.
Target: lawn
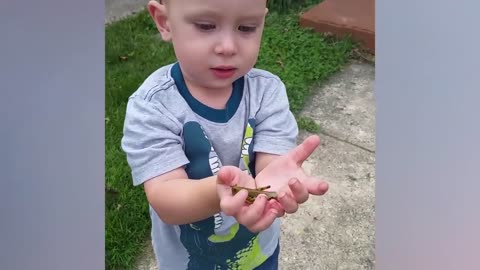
{"x": 133, "y": 50}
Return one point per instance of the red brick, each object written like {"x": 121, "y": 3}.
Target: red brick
{"x": 340, "y": 17}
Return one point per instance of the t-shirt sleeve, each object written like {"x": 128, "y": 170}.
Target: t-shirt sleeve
{"x": 151, "y": 140}
{"x": 276, "y": 129}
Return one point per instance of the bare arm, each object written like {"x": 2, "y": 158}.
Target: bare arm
{"x": 262, "y": 160}
{"x": 179, "y": 200}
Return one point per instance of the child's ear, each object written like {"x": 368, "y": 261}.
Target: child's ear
{"x": 158, "y": 12}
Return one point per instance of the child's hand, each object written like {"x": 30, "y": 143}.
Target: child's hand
{"x": 286, "y": 176}
{"x": 256, "y": 217}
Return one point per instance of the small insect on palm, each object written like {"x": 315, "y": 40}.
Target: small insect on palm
{"x": 254, "y": 192}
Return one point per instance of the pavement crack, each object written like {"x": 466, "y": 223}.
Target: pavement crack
{"x": 347, "y": 142}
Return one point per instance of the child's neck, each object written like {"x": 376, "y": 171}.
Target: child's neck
{"x": 214, "y": 98}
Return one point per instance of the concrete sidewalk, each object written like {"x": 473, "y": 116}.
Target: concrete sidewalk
{"x": 335, "y": 231}
{"x": 119, "y": 9}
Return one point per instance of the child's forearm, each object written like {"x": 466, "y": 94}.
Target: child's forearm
{"x": 183, "y": 201}
{"x": 262, "y": 161}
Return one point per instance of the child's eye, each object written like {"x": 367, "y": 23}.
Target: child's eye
{"x": 247, "y": 29}
{"x": 205, "y": 26}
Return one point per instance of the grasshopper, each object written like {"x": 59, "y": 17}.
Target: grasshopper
{"x": 254, "y": 192}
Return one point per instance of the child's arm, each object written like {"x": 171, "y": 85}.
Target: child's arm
{"x": 178, "y": 200}
{"x": 154, "y": 150}
{"x": 262, "y": 160}
{"x": 278, "y": 159}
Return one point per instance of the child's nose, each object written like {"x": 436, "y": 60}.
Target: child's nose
{"x": 226, "y": 46}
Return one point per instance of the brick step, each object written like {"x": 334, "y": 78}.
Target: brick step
{"x": 344, "y": 17}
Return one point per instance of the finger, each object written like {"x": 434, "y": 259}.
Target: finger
{"x": 274, "y": 204}
{"x": 305, "y": 149}
{"x": 316, "y": 187}
{"x": 299, "y": 190}
{"x": 227, "y": 177}
{"x": 288, "y": 202}
{"x": 231, "y": 205}
{"x": 251, "y": 214}
{"x": 264, "y": 222}
{"x": 224, "y": 192}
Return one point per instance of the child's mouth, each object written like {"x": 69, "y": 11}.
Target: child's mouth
{"x": 223, "y": 72}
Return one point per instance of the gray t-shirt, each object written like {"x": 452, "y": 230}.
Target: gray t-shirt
{"x": 166, "y": 128}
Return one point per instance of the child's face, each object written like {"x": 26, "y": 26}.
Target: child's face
{"x": 215, "y": 41}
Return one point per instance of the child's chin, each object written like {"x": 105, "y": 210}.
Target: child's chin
{"x": 219, "y": 86}
{"x": 220, "y": 83}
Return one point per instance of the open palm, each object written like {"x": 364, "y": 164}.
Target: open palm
{"x": 286, "y": 176}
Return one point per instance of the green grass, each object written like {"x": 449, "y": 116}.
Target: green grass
{"x": 284, "y": 6}
{"x": 308, "y": 124}
{"x": 133, "y": 50}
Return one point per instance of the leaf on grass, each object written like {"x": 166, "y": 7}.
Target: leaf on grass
{"x": 280, "y": 63}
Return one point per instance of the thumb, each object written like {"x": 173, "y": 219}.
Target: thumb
{"x": 226, "y": 178}
{"x": 300, "y": 153}
{"x": 228, "y": 175}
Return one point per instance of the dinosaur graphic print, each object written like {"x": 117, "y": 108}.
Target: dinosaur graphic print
{"x": 233, "y": 245}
